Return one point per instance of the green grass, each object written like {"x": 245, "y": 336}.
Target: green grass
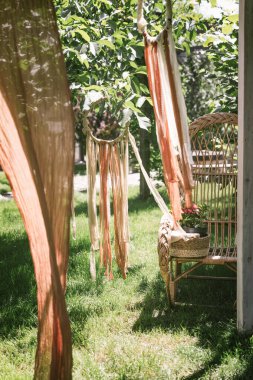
{"x": 4, "y": 184}
{"x": 121, "y": 330}
{"x": 80, "y": 169}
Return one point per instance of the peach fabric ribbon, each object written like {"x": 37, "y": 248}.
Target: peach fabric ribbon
{"x": 36, "y": 153}
{"x": 171, "y": 119}
{"x": 112, "y": 157}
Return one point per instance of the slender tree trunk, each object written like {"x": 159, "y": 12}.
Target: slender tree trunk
{"x": 81, "y": 150}
{"x": 145, "y": 156}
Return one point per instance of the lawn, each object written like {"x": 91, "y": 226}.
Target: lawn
{"x": 121, "y": 330}
{"x": 4, "y": 185}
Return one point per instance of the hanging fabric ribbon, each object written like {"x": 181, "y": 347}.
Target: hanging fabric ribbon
{"x": 112, "y": 157}
{"x": 37, "y": 155}
{"x": 91, "y": 151}
{"x": 170, "y": 112}
{"x": 104, "y": 208}
{"x": 119, "y": 174}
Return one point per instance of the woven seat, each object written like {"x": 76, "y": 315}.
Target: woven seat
{"x": 214, "y": 145}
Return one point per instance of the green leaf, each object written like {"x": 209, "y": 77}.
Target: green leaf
{"x": 131, "y": 106}
{"x": 134, "y": 65}
{"x": 209, "y": 40}
{"x": 144, "y": 89}
{"x": 227, "y": 28}
{"x": 24, "y": 64}
{"x": 93, "y": 48}
{"x": 141, "y": 70}
{"x": 106, "y": 2}
{"x": 141, "y": 101}
{"x": 85, "y": 35}
{"x": 95, "y": 87}
{"x": 135, "y": 85}
{"x": 149, "y": 100}
{"x": 118, "y": 35}
{"x": 187, "y": 48}
{"x": 107, "y": 43}
{"x": 143, "y": 121}
{"x": 213, "y": 3}
{"x": 86, "y": 63}
{"x": 233, "y": 18}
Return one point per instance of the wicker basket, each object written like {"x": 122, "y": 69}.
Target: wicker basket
{"x": 192, "y": 248}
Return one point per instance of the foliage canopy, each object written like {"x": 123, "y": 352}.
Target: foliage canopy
{"x": 104, "y": 51}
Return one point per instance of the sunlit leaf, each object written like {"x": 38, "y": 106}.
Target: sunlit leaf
{"x": 143, "y": 121}
{"x": 233, "y": 18}
{"x": 93, "y": 48}
{"x": 131, "y": 106}
{"x": 141, "y": 70}
{"x": 85, "y": 35}
{"x": 227, "y": 28}
{"x": 107, "y": 43}
{"x": 140, "y": 101}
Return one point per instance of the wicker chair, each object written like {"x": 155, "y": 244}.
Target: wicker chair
{"x": 214, "y": 146}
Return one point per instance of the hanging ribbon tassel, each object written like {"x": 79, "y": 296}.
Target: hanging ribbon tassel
{"x": 179, "y": 108}
{"x": 124, "y": 178}
{"x": 113, "y": 160}
{"x": 171, "y": 133}
{"x": 91, "y": 151}
{"x": 105, "y": 244}
{"x": 120, "y": 204}
{"x": 166, "y": 137}
{"x": 170, "y": 110}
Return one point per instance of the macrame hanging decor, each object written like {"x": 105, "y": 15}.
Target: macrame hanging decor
{"x": 111, "y": 157}
{"x": 170, "y": 111}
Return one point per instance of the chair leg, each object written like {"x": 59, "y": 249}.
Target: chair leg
{"x": 172, "y": 290}
{"x": 172, "y": 283}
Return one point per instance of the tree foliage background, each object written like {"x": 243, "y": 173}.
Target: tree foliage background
{"x": 104, "y": 53}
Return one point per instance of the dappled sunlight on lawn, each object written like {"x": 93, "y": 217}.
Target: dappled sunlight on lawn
{"x": 121, "y": 329}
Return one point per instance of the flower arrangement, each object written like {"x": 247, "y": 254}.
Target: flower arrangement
{"x": 195, "y": 218}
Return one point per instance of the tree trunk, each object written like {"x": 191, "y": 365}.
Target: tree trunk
{"x": 145, "y": 156}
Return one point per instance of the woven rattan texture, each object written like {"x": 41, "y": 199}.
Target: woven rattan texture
{"x": 214, "y": 140}
{"x": 198, "y": 247}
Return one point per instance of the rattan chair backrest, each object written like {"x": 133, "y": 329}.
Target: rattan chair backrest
{"x": 214, "y": 139}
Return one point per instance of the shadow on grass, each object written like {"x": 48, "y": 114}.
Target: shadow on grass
{"x": 135, "y": 204}
{"x": 134, "y": 269}
{"x": 83, "y": 294}
{"x": 81, "y": 208}
{"x": 214, "y": 327}
{"x": 18, "y": 305}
